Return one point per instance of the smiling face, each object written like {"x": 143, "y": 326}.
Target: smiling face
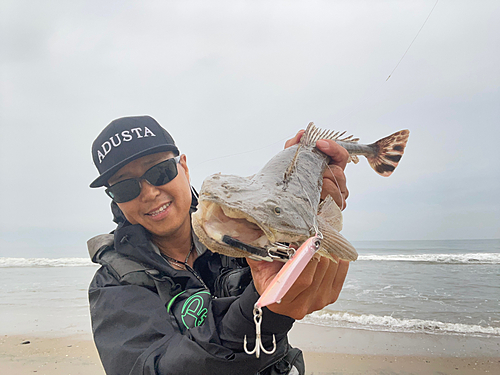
{"x": 162, "y": 210}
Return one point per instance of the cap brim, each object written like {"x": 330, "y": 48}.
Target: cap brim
{"x": 102, "y": 180}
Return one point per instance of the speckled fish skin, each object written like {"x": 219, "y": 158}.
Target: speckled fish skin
{"x": 279, "y": 204}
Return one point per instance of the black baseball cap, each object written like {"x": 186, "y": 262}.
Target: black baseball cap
{"x": 126, "y": 139}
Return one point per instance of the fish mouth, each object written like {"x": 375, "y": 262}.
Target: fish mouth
{"x": 257, "y": 252}
{"x": 234, "y": 233}
{"x": 218, "y": 220}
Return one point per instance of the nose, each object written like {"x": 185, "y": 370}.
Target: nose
{"x": 148, "y": 191}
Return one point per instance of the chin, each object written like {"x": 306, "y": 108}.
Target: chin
{"x": 167, "y": 229}
{"x": 161, "y": 231}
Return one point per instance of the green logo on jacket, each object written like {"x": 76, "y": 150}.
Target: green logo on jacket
{"x": 194, "y": 311}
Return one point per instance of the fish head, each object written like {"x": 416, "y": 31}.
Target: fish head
{"x": 251, "y": 212}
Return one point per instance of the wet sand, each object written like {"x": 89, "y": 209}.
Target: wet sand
{"x": 337, "y": 351}
{"x": 351, "y": 364}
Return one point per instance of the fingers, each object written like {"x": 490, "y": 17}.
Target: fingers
{"x": 338, "y": 282}
{"x": 263, "y": 273}
{"x": 297, "y": 301}
{"x": 294, "y": 140}
{"x": 337, "y": 153}
{"x": 327, "y": 290}
{"x": 322, "y": 295}
{"x": 309, "y": 279}
{"x": 335, "y": 185}
{"x": 318, "y": 286}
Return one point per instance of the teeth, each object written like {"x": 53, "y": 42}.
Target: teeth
{"x": 160, "y": 210}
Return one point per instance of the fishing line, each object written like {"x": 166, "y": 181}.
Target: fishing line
{"x": 338, "y": 187}
{"x": 376, "y": 91}
{"x": 399, "y": 62}
{"x": 315, "y": 209}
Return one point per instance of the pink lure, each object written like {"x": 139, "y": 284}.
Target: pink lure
{"x": 289, "y": 273}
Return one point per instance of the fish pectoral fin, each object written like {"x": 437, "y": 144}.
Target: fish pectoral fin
{"x": 336, "y": 244}
{"x": 329, "y": 214}
{"x": 330, "y": 224}
{"x": 326, "y": 254}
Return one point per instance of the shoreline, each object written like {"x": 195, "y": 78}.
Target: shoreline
{"x": 324, "y": 339}
{"x": 327, "y": 351}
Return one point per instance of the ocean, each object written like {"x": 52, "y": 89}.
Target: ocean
{"x": 434, "y": 287}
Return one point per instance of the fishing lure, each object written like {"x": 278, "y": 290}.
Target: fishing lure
{"x": 280, "y": 285}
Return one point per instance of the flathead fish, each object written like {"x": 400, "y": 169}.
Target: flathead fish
{"x": 265, "y": 215}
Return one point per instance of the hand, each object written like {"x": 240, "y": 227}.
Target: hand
{"x": 334, "y": 180}
{"x": 319, "y": 285}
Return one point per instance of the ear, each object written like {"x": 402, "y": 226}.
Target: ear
{"x": 183, "y": 164}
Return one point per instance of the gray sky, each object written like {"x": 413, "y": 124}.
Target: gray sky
{"x": 231, "y": 81}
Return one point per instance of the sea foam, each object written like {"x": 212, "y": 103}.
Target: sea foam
{"x": 45, "y": 262}
{"x": 391, "y": 324}
{"x": 467, "y": 258}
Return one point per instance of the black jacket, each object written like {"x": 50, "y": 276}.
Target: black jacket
{"x": 189, "y": 330}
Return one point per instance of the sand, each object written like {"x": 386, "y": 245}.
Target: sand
{"x": 329, "y": 364}
{"x": 327, "y": 351}
{"x": 331, "y": 351}
{"x": 74, "y": 355}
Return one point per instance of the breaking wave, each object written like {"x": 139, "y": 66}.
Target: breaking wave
{"x": 391, "y": 324}
{"x": 45, "y": 262}
{"x": 469, "y": 258}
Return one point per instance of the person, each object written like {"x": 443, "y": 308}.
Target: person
{"x": 161, "y": 302}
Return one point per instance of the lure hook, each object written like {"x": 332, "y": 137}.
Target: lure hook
{"x": 257, "y": 318}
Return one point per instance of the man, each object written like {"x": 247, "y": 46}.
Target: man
{"x": 164, "y": 304}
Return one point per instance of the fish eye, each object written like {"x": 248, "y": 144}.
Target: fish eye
{"x": 277, "y": 210}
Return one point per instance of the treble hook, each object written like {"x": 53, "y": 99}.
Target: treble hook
{"x": 257, "y": 318}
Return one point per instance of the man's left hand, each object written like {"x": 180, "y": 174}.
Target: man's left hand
{"x": 334, "y": 180}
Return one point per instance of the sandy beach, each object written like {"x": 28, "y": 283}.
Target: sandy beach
{"x": 338, "y": 351}
{"x": 33, "y": 354}
{"x": 328, "y": 351}
{"x": 434, "y": 329}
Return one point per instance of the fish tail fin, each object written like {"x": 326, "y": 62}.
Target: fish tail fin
{"x": 389, "y": 151}
{"x": 330, "y": 225}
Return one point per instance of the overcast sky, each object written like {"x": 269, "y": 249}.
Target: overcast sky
{"x": 231, "y": 81}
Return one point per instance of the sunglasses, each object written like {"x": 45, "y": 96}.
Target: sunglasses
{"x": 158, "y": 175}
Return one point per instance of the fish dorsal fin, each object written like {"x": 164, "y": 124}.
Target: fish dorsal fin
{"x": 309, "y": 139}
{"x": 314, "y": 134}
{"x": 304, "y": 141}
{"x": 291, "y": 166}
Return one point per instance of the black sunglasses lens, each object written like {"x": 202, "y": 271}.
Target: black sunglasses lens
{"x": 124, "y": 191}
{"x": 161, "y": 173}
{"x": 158, "y": 175}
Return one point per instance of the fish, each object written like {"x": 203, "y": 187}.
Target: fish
{"x": 267, "y": 215}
